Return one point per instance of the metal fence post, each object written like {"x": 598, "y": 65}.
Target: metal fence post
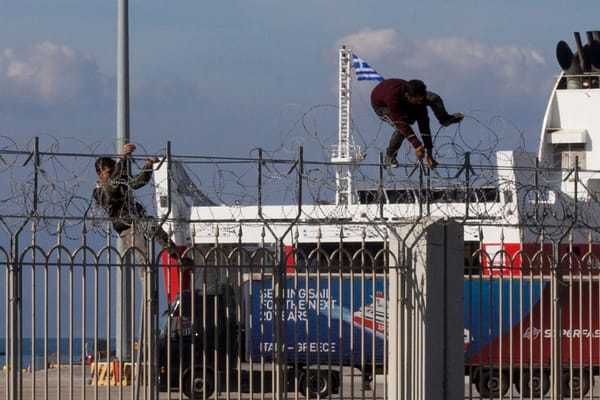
{"x": 14, "y": 323}
{"x": 556, "y": 323}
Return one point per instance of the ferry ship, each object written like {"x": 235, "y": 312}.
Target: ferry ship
{"x": 538, "y": 207}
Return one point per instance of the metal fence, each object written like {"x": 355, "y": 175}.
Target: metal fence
{"x": 249, "y": 320}
{"x": 531, "y": 327}
{"x": 259, "y": 318}
{"x": 531, "y": 324}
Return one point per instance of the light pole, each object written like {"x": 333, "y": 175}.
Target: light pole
{"x": 124, "y": 278}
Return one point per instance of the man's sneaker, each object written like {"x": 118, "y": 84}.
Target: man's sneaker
{"x": 391, "y": 161}
{"x": 454, "y": 118}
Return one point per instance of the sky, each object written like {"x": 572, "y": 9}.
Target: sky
{"x": 222, "y": 78}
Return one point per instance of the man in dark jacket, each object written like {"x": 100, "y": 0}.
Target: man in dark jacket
{"x": 400, "y": 104}
{"x": 114, "y": 193}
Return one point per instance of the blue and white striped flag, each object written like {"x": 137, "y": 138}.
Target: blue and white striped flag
{"x": 364, "y": 72}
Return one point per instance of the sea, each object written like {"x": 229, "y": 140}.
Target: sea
{"x": 38, "y": 353}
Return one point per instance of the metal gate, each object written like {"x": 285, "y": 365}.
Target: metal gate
{"x": 249, "y": 321}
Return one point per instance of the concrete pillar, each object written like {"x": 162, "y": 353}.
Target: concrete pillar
{"x": 425, "y": 352}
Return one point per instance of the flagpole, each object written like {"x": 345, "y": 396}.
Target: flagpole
{"x": 345, "y": 154}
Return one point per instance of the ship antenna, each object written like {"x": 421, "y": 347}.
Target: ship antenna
{"x": 345, "y": 154}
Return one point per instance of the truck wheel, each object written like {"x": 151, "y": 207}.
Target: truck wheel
{"x": 315, "y": 383}
{"x": 535, "y": 384}
{"x": 490, "y": 385}
{"x": 577, "y": 384}
{"x": 201, "y": 387}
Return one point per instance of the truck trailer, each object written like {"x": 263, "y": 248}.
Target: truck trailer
{"x": 509, "y": 331}
{"x": 227, "y": 340}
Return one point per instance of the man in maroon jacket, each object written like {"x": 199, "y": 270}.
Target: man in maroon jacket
{"x": 401, "y": 103}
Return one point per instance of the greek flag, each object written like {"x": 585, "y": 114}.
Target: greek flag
{"x": 364, "y": 72}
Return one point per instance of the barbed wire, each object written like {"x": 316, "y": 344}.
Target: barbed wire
{"x": 51, "y": 179}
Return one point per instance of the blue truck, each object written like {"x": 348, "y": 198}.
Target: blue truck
{"x": 227, "y": 340}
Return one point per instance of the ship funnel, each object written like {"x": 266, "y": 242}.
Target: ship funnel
{"x": 568, "y": 61}
{"x": 593, "y": 50}
{"x": 581, "y": 52}
{"x": 590, "y": 36}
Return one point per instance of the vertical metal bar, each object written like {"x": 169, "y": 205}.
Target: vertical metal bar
{"x": 152, "y": 321}
{"x": 300, "y": 177}
{"x": 512, "y": 320}
{"x": 123, "y": 73}
{"x": 403, "y": 306}
{"x": 445, "y": 272}
{"x": 545, "y": 302}
{"x": 6, "y": 326}
{"x": 278, "y": 312}
{"x": 262, "y": 320}
{"x": 521, "y": 311}
{"x": 592, "y": 285}
{"x": 46, "y": 328}
{"x": 227, "y": 312}
{"x": 84, "y": 349}
{"x": 137, "y": 367}
{"x": 107, "y": 304}
{"x": 490, "y": 316}
{"x": 380, "y": 187}
{"x": 421, "y": 192}
{"x": 238, "y": 310}
{"x": 569, "y": 365}
{"x": 363, "y": 303}
{"x": 502, "y": 255}
{"x": 556, "y": 359}
{"x": 428, "y": 199}
{"x": 467, "y": 168}
{"x": 594, "y": 312}
{"x": 386, "y": 295}
{"x": 259, "y": 177}
{"x": 12, "y": 355}
{"x": 340, "y": 331}
{"x": 143, "y": 338}
{"x": 124, "y": 295}
{"x": 58, "y": 318}
{"x": 33, "y": 308}
{"x": 71, "y": 325}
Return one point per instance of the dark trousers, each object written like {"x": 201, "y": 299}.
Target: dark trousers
{"x": 397, "y": 137}
{"x": 383, "y": 113}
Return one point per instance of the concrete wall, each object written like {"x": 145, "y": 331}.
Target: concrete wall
{"x": 426, "y": 312}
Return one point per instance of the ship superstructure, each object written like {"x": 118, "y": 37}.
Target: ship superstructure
{"x": 548, "y": 192}
{"x": 531, "y": 243}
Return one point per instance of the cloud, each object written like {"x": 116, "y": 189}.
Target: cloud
{"x": 510, "y": 67}
{"x": 370, "y": 44}
{"x": 443, "y": 62}
{"x": 48, "y": 74}
{"x": 58, "y": 89}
